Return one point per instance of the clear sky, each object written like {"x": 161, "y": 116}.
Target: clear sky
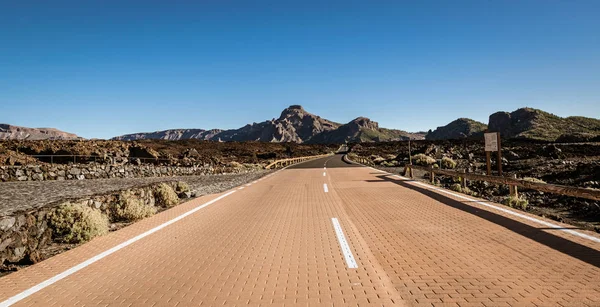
{"x": 105, "y": 68}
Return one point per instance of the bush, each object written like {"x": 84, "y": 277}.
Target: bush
{"x": 448, "y": 163}
{"x": 456, "y": 187}
{"x": 182, "y": 186}
{"x": 131, "y": 209}
{"x": 516, "y": 202}
{"x": 422, "y": 159}
{"x": 166, "y": 196}
{"x": 77, "y": 223}
{"x": 531, "y": 179}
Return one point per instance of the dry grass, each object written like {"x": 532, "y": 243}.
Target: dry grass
{"x": 74, "y": 223}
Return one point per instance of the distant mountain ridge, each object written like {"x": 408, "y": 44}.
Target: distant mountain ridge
{"x": 10, "y": 132}
{"x": 171, "y": 134}
{"x": 297, "y": 125}
{"x": 293, "y": 125}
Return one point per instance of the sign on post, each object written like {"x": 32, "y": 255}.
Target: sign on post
{"x": 492, "y": 143}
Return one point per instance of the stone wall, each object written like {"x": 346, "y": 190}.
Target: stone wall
{"x": 98, "y": 171}
{"x": 24, "y": 234}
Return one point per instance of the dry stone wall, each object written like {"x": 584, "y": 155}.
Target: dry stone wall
{"x": 99, "y": 171}
{"x": 24, "y": 234}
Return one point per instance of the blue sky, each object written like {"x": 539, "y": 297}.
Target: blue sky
{"x": 105, "y": 68}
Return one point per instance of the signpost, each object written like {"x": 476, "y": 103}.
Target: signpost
{"x": 492, "y": 143}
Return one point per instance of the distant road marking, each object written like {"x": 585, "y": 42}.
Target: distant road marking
{"x": 325, "y": 187}
{"x": 324, "y": 174}
{"x": 248, "y": 184}
{"x": 486, "y": 204}
{"x": 86, "y": 263}
{"x": 344, "y": 244}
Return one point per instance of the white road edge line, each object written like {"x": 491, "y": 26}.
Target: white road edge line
{"x": 325, "y": 187}
{"x": 523, "y": 216}
{"x": 86, "y": 263}
{"x": 240, "y": 188}
{"x": 344, "y": 244}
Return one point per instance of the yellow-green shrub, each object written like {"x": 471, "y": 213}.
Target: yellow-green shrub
{"x": 74, "y": 223}
{"x": 422, "y": 159}
{"x": 182, "y": 186}
{"x": 166, "y": 196}
{"x": 516, "y": 202}
{"x": 448, "y": 163}
{"x": 130, "y": 208}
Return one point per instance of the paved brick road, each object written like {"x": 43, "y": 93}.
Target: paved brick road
{"x": 273, "y": 243}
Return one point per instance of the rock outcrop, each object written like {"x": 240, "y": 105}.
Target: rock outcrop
{"x": 363, "y": 129}
{"x": 293, "y": 125}
{"x": 458, "y": 129}
{"x": 528, "y": 123}
{"x": 9, "y": 132}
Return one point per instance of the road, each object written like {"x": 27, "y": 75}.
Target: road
{"x": 321, "y": 233}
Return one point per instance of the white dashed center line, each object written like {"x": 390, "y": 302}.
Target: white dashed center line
{"x": 325, "y": 187}
{"x": 350, "y": 261}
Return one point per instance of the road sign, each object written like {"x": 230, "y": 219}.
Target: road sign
{"x": 491, "y": 141}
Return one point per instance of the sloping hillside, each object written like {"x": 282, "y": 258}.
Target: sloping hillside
{"x": 363, "y": 129}
{"x": 9, "y": 132}
{"x": 529, "y": 123}
{"x": 458, "y": 129}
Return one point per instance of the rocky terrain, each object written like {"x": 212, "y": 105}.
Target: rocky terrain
{"x": 160, "y": 152}
{"x": 566, "y": 164}
{"x": 9, "y": 132}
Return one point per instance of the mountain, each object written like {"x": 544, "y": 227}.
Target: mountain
{"x": 363, "y": 129}
{"x": 172, "y": 135}
{"x": 9, "y": 132}
{"x": 529, "y": 123}
{"x": 293, "y": 125}
{"x": 458, "y": 129}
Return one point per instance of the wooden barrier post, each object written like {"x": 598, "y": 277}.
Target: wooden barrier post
{"x": 514, "y": 192}
{"x": 499, "y": 155}
{"x": 432, "y": 175}
{"x": 463, "y": 180}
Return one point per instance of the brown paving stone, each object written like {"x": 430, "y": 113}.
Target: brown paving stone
{"x": 430, "y": 243}
{"x": 273, "y": 244}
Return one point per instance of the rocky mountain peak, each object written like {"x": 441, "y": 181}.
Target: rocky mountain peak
{"x": 293, "y": 111}
{"x": 364, "y": 122}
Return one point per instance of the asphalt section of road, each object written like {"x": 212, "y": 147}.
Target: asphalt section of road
{"x": 371, "y": 239}
{"x": 334, "y": 161}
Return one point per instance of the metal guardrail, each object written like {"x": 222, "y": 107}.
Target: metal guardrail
{"x": 511, "y": 182}
{"x": 290, "y": 161}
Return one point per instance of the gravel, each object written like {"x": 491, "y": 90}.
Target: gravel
{"x": 24, "y": 196}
